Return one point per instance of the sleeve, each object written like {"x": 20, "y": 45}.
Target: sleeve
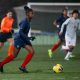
{"x": 3, "y": 28}
{"x": 79, "y": 25}
{"x": 63, "y": 25}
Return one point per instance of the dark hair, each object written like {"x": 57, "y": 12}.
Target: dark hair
{"x": 27, "y": 9}
{"x": 8, "y": 11}
{"x": 75, "y": 11}
{"x": 65, "y": 9}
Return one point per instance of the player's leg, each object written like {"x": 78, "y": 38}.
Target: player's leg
{"x": 59, "y": 42}
{"x": 9, "y": 58}
{"x": 14, "y": 52}
{"x": 28, "y": 58}
{"x": 68, "y": 44}
{"x": 11, "y": 43}
{"x": 69, "y": 53}
{"x": 71, "y": 56}
{"x": 11, "y": 46}
{"x": 74, "y": 44}
{"x": 56, "y": 45}
{"x": 71, "y": 44}
{"x": 2, "y": 40}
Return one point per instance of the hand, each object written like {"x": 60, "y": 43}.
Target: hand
{"x": 33, "y": 38}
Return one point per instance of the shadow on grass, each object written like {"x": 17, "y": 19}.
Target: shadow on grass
{"x": 16, "y": 72}
{"x": 33, "y": 71}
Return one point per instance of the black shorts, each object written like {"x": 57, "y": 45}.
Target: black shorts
{"x": 62, "y": 37}
{"x": 5, "y": 36}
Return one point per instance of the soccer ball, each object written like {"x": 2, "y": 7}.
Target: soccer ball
{"x": 58, "y": 68}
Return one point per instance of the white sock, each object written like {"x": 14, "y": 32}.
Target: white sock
{"x": 68, "y": 55}
{"x": 71, "y": 53}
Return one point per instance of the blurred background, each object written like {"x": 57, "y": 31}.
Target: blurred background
{"x": 40, "y": 68}
{"x": 45, "y": 13}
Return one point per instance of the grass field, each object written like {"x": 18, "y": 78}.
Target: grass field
{"x": 40, "y": 68}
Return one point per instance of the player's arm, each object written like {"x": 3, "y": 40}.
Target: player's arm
{"x": 21, "y": 32}
{"x": 57, "y": 21}
{"x": 64, "y": 25}
{"x": 3, "y": 27}
{"x": 12, "y": 28}
{"x": 79, "y": 25}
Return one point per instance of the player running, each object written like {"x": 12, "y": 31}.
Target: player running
{"x": 22, "y": 40}
{"x": 6, "y": 31}
{"x": 72, "y": 25}
{"x": 58, "y": 24}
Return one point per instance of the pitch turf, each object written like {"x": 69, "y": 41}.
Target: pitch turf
{"x": 40, "y": 68}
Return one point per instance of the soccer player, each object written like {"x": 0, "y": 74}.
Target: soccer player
{"x": 72, "y": 25}
{"x": 58, "y": 24}
{"x": 22, "y": 40}
{"x": 6, "y": 31}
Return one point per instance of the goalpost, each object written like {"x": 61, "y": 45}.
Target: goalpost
{"x": 59, "y": 5}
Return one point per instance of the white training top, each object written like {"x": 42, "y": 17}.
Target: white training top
{"x": 72, "y": 25}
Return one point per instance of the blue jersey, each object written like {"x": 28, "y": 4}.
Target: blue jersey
{"x": 60, "y": 20}
{"x": 24, "y": 28}
{"x": 21, "y": 39}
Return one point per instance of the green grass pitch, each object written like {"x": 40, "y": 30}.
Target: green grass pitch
{"x": 40, "y": 68}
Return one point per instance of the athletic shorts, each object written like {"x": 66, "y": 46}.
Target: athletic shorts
{"x": 5, "y": 36}
{"x": 62, "y": 37}
{"x": 19, "y": 42}
{"x": 70, "y": 41}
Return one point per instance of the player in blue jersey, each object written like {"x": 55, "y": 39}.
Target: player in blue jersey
{"x": 22, "y": 40}
{"x": 58, "y": 24}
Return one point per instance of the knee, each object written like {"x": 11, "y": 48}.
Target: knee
{"x": 11, "y": 42}
{"x": 32, "y": 51}
{"x": 59, "y": 42}
{"x": 15, "y": 55}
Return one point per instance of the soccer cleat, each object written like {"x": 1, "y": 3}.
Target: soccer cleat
{"x": 23, "y": 70}
{"x": 50, "y": 53}
{"x": 67, "y": 59}
{"x": 1, "y": 68}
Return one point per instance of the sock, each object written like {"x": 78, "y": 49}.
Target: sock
{"x": 68, "y": 55}
{"x": 7, "y": 60}
{"x": 10, "y": 50}
{"x": 55, "y": 46}
{"x": 71, "y": 55}
{"x": 27, "y": 60}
